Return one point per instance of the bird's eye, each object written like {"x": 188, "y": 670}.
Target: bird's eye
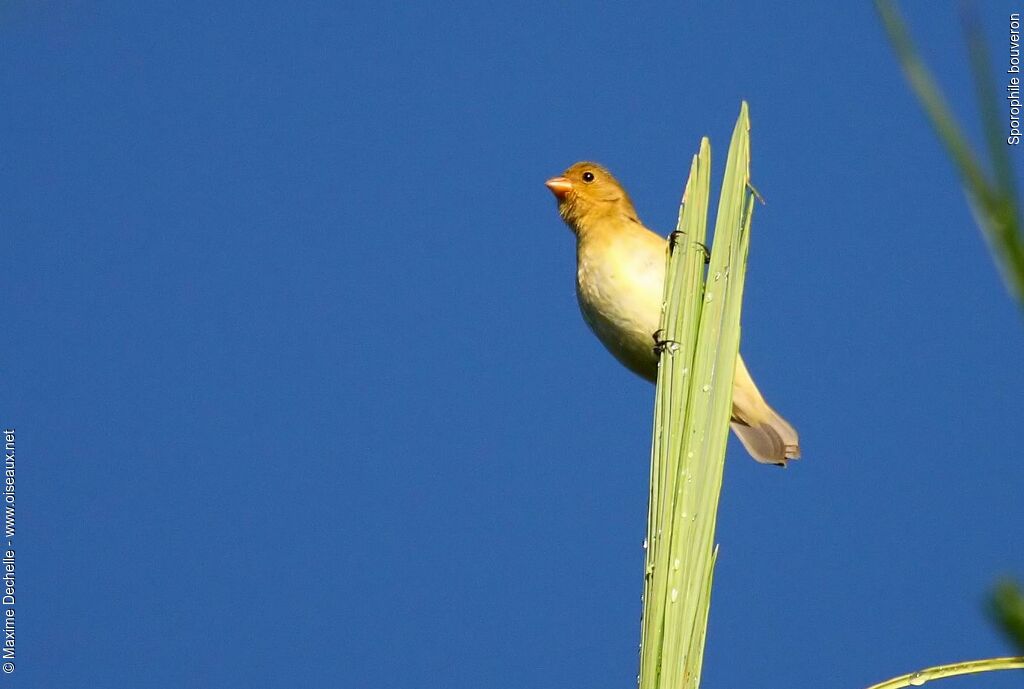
{"x": 588, "y": 176}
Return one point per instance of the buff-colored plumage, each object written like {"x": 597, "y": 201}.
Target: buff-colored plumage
{"x": 620, "y": 274}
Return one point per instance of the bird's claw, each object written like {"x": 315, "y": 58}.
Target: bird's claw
{"x": 707, "y": 252}
{"x": 673, "y": 242}
{"x": 661, "y": 345}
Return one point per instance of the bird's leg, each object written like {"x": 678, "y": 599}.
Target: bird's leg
{"x": 661, "y": 345}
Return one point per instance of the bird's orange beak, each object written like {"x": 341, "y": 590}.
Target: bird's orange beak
{"x": 559, "y": 186}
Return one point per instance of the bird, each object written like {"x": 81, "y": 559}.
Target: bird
{"x": 620, "y": 275}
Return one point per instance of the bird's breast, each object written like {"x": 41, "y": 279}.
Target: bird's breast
{"x": 619, "y": 284}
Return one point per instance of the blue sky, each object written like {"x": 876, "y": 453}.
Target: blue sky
{"x": 303, "y": 397}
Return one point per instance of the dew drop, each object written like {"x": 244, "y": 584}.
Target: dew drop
{"x": 675, "y": 565}
{"x": 675, "y": 594}
{"x": 917, "y": 679}
{"x": 705, "y": 388}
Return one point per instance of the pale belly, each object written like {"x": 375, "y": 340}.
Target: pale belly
{"x": 619, "y": 285}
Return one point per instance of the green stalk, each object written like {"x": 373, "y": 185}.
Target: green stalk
{"x": 969, "y": 667}
{"x": 700, "y": 334}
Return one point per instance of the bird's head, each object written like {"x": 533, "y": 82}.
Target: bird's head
{"x": 588, "y": 195}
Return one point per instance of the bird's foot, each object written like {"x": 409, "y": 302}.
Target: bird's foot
{"x": 707, "y": 252}
{"x": 661, "y": 345}
{"x": 673, "y": 241}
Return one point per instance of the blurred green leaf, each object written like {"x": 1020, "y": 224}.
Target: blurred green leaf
{"x": 1006, "y": 606}
{"x": 992, "y": 196}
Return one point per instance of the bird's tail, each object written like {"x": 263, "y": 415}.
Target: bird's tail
{"x": 767, "y": 436}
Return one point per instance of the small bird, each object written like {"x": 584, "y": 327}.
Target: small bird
{"x": 620, "y": 275}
